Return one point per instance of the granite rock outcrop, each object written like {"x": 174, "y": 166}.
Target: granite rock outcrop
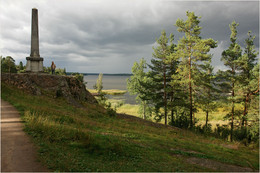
{"x": 53, "y": 86}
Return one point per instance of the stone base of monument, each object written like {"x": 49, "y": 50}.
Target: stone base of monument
{"x": 34, "y": 65}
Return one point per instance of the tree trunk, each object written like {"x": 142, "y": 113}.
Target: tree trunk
{"x": 190, "y": 87}
{"x": 232, "y": 122}
{"x": 165, "y": 96}
{"x": 144, "y": 109}
{"x": 193, "y": 114}
{"x": 245, "y": 109}
{"x": 232, "y": 112}
{"x": 208, "y": 103}
{"x": 190, "y": 90}
{"x": 172, "y": 118}
{"x": 207, "y": 118}
{"x": 172, "y": 110}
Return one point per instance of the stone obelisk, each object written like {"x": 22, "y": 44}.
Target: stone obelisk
{"x": 34, "y": 62}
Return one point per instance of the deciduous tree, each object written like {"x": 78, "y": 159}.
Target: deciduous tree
{"x": 99, "y": 84}
{"x": 135, "y": 86}
{"x": 8, "y": 65}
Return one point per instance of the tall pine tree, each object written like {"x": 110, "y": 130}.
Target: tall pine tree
{"x": 246, "y": 63}
{"x": 229, "y": 57}
{"x": 160, "y": 74}
{"x": 207, "y": 90}
{"x": 192, "y": 50}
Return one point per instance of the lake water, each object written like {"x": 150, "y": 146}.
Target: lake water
{"x": 112, "y": 82}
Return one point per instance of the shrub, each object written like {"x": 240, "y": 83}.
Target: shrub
{"x": 181, "y": 120}
{"x": 79, "y": 76}
{"x": 8, "y": 65}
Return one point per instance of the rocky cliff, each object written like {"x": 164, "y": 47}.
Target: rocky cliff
{"x": 54, "y": 86}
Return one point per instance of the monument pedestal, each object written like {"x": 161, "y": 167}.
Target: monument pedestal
{"x": 34, "y": 64}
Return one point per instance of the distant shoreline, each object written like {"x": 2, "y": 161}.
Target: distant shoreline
{"x": 104, "y": 74}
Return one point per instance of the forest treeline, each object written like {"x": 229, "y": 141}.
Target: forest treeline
{"x": 180, "y": 80}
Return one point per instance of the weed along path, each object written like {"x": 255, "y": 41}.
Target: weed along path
{"x": 17, "y": 152}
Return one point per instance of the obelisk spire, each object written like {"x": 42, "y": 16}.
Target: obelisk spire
{"x": 35, "y": 35}
{"x": 34, "y": 62}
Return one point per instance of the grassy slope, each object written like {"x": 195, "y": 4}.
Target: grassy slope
{"x": 86, "y": 139}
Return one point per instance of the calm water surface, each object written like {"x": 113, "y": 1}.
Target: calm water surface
{"x": 112, "y": 82}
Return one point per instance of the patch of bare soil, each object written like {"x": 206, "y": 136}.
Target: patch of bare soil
{"x": 185, "y": 150}
{"x": 218, "y": 166}
{"x": 150, "y": 123}
{"x": 18, "y": 154}
{"x": 234, "y": 146}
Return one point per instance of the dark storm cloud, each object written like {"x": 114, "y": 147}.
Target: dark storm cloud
{"x": 109, "y": 35}
{"x": 216, "y": 23}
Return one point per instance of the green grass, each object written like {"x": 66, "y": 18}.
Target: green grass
{"x": 216, "y": 117}
{"x": 109, "y": 92}
{"x": 129, "y": 109}
{"x": 87, "y": 139}
{"x": 125, "y": 108}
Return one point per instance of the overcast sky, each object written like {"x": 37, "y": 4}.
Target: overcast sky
{"x": 108, "y": 36}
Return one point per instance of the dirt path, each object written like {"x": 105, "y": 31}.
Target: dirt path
{"x": 215, "y": 165}
{"x": 17, "y": 152}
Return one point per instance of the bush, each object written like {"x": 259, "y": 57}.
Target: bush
{"x": 60, "y": 71}
{"x": 181, "y": 120}
{"x": 8, "y": 65}
{"x": 79, "y": 76}
{"x": 203, "y": 129}
{"x": 240, "y": 133}
{"x": 222, "y": 132}
{"x": 110, "y": 111}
